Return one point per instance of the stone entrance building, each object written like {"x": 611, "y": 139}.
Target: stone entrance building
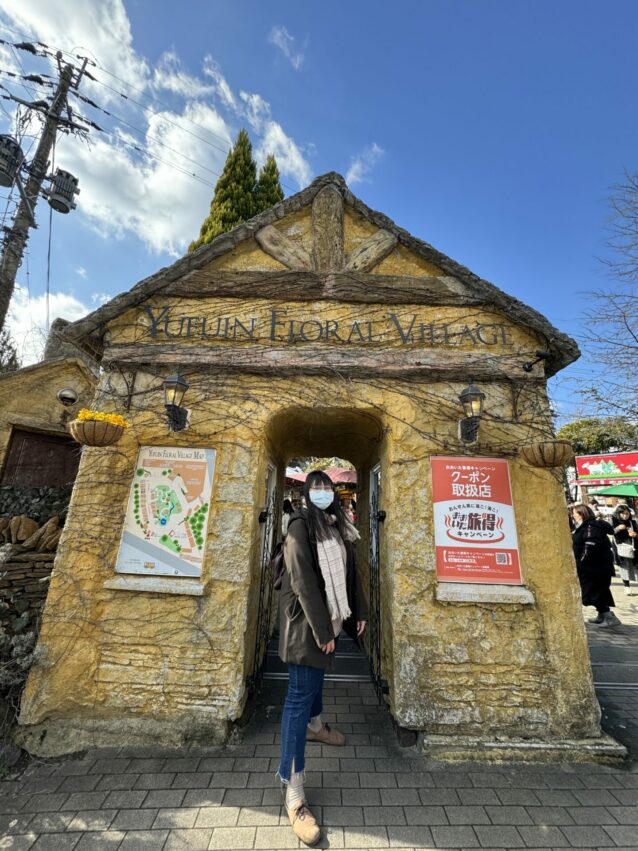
{"x": 316, "y": 328}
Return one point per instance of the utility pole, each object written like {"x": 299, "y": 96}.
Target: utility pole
{"x": 17, "y": 235}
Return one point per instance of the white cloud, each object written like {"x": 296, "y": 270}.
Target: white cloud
{"x": 137, "y": 178}
{"x": 27, "y": 320}
{"x": 256, "y": 110}
{"x": 124, "y": 191}
{"x": 170, "y": 76}
{"x": 211, "y": 69}
{"x": 99, "y": 29}
{"x": 281, "y": 38}
{"x": 362, "y": 164}
{"x": 81, "y": 271}
{"x": 286, "y": 151}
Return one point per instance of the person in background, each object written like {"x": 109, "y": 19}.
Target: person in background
{"x": 320, "y": 594}
{"x": 347, "y": 507}
{"x": 286, "y": 512}
{"x": 593, "y": 503}
{"x": 625, "y": 534}
{"x": 594, "y": 563}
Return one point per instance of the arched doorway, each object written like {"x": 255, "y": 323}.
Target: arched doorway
{"x": 357, "y": 436}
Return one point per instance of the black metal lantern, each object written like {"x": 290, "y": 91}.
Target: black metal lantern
{"x": 472, "y": 399}
{"x": 175, "y": 386}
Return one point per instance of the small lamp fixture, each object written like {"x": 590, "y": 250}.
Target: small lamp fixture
{"x": 67, "y": 397}
{"x": 472, "y": 399}
{"x": 175, "y": 386}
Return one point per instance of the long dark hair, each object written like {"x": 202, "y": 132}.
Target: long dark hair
{"x": 315, "y": 517}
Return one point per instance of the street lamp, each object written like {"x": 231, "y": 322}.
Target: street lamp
{"x": 175, "y": 386}
{"x": 471, "y": 399}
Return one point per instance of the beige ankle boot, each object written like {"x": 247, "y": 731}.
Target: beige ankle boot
{"x": 304, "y": 824}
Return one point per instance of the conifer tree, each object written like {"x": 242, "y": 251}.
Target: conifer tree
{"x": 234, "y": 198}
{"x": 9, "y": 360}
{"x": 268, "y": 190}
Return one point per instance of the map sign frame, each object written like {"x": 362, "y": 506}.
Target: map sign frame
{"x": 474, "y": 522}
{"x": 167, "y": 513}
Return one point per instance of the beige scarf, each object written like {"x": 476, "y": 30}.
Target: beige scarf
{"x": 333, "y": 569}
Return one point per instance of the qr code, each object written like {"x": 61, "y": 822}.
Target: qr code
{"x": 502, "y": 558}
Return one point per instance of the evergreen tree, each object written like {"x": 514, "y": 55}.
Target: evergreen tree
{"x": 8, "y": 355}
{"x": 268, "y": 190}
{"x": 234, "y": 198}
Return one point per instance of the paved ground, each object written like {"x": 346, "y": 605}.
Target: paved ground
{"x": 370, "y": 794}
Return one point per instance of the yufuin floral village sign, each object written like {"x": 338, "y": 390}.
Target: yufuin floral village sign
{"x": 279, "y": 325}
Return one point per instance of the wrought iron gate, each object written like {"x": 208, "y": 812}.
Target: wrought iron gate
{"x": 376, "y": 517}
{"x": 267, "y": 518}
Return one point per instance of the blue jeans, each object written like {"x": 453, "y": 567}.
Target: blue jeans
{"x": 303, "y": 702}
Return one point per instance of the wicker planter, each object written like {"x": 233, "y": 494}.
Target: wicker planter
{"x": 548, "y": 453}
{"x": 95, "y": 432}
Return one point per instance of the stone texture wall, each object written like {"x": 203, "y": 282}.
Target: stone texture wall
{"x": 120, "y": 666}
{"x": 24, "y": 584}
{"x": 28, "y": 397}
{"x": 111, "y": 658}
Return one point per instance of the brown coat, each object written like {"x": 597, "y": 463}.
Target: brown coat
{"x": 304, "y": 619}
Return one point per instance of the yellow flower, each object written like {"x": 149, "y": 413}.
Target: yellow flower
{"x": 100, "y": 416}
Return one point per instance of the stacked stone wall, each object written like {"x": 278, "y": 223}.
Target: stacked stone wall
{"x": 24, "y": 585}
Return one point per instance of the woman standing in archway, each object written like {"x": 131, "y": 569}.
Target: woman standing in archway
{"x": 320, "y": 594}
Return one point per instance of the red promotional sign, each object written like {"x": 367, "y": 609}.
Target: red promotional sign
{"x": 609, "y": 469}
{"x": 474, "y": 524}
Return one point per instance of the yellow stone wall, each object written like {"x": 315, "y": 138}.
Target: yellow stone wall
{"x": 28, "y": 397}
{"x": 117, "y": 666}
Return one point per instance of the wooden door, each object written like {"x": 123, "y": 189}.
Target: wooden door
{"x": 36, "y": 459}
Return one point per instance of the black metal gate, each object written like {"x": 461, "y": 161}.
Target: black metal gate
{"x": 377, "y": 516}
{"x": 267, "y": 518}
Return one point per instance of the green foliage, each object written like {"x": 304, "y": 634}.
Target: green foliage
{"x": 268, "y": 190}
{"x": 234, "y": 199}
{"x": 9, "y": 361}
{"x": 592, "y": 435}
{"x": 238, "y": 194}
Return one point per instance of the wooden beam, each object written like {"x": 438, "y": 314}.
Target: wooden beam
{"x": 371, "y": 252}
{"x": 327, "y": 230}
{"x": 355, "y": 287}
{"x": 317, "y": 359}
{"x": 278, "y": 245}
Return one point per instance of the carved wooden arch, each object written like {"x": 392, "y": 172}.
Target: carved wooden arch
{"x": 327, "y": 254}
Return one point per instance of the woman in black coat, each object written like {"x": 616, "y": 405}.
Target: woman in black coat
{"x": 625, "y": 534}
{"x": 594, "y": 563}
{"x": 319, "y": 595}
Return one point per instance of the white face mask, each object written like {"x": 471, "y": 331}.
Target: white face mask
{"x": 322, "y": 499}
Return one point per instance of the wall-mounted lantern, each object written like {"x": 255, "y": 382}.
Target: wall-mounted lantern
{"x": 472, "y": 399}
{"x": 175, "y": 386}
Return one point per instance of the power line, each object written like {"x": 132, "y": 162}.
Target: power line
{"x": 149, "y": 96}
{"x": 146, "y": 135}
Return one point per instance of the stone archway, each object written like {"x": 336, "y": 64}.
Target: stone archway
{"x": 355, "y": 435}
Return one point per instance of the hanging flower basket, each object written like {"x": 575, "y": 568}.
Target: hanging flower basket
{"x": 548, "y": 453}
{"x": 95, "y": 428}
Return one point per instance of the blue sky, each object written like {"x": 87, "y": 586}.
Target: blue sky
{"x": 491, "y": 129}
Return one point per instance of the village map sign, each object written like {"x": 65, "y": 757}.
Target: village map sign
{"x": 167, "y": 515}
